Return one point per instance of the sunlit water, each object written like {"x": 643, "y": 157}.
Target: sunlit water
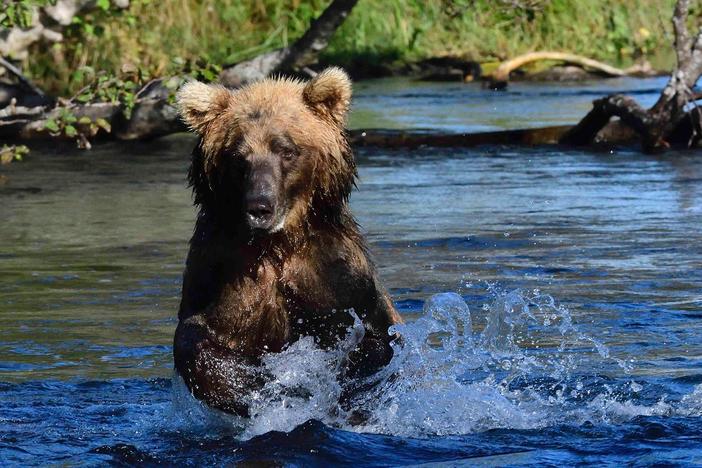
{"x": 553, "y": 302}
{"x": 401, "y": 103}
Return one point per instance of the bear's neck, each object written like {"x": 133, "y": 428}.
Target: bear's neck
{"x": 234, "y": 238}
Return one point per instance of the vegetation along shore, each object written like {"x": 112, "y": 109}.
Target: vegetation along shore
{"x": 169, "y": 37}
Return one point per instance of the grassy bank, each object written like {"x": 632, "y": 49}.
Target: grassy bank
{"x": 166, "y": 36}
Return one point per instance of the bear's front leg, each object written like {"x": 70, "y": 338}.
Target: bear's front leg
{"x": 213, "y": 373}
{"x": 371, "y": 354}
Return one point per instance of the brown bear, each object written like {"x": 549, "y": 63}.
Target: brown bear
{"x": 276, "y": 254}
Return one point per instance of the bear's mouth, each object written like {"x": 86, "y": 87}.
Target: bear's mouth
{"x": 267, "y": 223}
{"x": 279, "y": 225}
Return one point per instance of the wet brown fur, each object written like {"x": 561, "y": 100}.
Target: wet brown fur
{"x": 246, "y": 294}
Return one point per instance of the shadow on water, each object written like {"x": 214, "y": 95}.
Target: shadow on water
{"x": 566, "y": 327}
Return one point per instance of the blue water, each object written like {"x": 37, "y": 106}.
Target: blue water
{"x": 553, "y": 301}
{"x": 401, "y": 103}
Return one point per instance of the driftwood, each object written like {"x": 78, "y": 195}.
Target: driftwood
{"x": 500, "y": 77}
{"x": 156, "y": 122}
{"x": 152, "y": 116}
{"x": 298, "y": 56}
{"x": 414, "y": 139}
{"x": 660, "y": 125}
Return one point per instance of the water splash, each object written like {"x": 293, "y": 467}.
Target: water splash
{"x": 469, "y": 382}
{"x": 529, "y": 367}
{"x": 305, "y": 384}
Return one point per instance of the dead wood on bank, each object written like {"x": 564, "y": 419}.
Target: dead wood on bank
{"x": 500, "y": 76}
{"x": 663, "y": 124}
{"x": 152, "y": 116}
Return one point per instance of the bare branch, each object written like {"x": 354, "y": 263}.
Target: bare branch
{"x": 693, "y": 68}
{"x": 624, "y": 107}
{"x": 683, "y": 43}
{"x": 22, "y": 79}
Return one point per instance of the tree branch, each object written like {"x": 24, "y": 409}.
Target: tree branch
{"x": 682, "y": 42}
{"x": 656, "y": 125}
{"x": 22, "y": 79}
{"x": 624, "y": 107}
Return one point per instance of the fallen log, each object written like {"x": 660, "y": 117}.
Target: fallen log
{"x": 500, "y": 77}
{"x": 418, "y": 138}
{"x": 152, "y": 116}
{"x": 29, "y": 125}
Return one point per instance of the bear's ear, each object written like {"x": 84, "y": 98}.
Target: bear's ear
{"x": 199, "y": 103}
{"x": 329, "y": 94}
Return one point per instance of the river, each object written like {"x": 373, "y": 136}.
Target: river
{"x": 553, "y": 300}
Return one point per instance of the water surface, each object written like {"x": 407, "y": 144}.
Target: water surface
{"x": 568, "y": 326}
{"x": 402, "y": 103}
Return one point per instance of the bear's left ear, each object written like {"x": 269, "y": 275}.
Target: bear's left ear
{"x": 199, "y": 103}
{"x": 329, "y": 94}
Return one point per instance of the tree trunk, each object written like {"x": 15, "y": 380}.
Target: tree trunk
{"x": 302, "y": 53}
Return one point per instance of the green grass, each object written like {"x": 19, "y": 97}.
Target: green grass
{"x": 166, "y": 36}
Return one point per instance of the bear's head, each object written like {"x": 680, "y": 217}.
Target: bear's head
{"x": 272, "y": 155}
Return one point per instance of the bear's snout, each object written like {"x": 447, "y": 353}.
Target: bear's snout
{"x": 259, "y": 211}
{"x": 260, "y": 199}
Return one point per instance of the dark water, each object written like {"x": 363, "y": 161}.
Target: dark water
{"x": 567, "y": 327}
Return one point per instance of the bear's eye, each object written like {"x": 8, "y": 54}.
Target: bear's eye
{"x": 285, "y": 147}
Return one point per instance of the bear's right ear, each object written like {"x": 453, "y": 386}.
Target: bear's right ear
{"x": 199, "y": 103}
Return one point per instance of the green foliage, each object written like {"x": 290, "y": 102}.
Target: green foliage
{"x": 103, "y": 87}
{"x": 197, "y": 36}
{"x": 494, "y": 30}
{"x": 199, "y": 69}
{"x": 9, "y": 153}
{"x": 63, "y": 123}
{"x": 20, "y": 12}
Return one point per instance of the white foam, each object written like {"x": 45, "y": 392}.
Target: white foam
{"x": 445, "y": 378}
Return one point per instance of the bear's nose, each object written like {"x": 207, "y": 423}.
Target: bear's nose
{"x": 259, "y": 211}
